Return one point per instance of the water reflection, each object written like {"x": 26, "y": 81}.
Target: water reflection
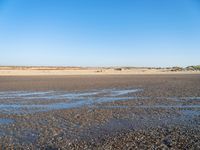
{"x": 18, "y": 102}
{"x": 6, "y": 121}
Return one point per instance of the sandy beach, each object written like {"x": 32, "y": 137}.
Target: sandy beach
{"x": 99, "y": 75}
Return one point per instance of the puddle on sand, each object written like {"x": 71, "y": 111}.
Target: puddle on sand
{"x": 152, "y": 106}
{"x": 169, "y": 106}
{"x": 6, "y": 121}
{"x": 64, "y": 95}
{"x": 20, "y": 102}
{"x": 191, "y": 113}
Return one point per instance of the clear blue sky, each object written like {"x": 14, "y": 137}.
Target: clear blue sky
{"x": 100, "y": 32}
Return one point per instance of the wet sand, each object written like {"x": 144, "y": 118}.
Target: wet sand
{"x": 100, "y": 112}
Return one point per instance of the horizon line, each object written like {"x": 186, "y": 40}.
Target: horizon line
{"x": 120, "y": 66}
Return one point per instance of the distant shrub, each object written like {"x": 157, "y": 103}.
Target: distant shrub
{"x": 118, "y": 69}
{"x": 177, "y": 69}
{"x": 193, "y": 67}
{"x": 158, "y": 68}
{"x": 99, "y": 71}
{"x": 127, "y": 68}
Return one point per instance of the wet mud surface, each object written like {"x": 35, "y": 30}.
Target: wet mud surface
{"x": 100, "y": 112}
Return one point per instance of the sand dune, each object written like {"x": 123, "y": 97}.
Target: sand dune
{"x": 29, "y": 71}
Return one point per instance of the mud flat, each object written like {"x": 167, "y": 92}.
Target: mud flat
{"x": 100, "y": 112}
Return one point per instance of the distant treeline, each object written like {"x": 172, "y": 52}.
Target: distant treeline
{"x": 176, "y": 68}
{"x": 189, "y": 68}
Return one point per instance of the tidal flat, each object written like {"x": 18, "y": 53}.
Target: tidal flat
{"x": 100, "y": 112}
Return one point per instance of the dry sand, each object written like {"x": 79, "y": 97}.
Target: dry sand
{"x": 30, "y": 71}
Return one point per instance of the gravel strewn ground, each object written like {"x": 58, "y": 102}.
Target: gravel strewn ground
{"x": 165, "y": 114}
